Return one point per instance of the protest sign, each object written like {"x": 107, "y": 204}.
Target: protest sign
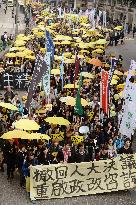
{"x": 68, "y": 180}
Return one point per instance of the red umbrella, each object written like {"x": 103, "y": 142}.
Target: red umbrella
{"x": 96, "y": 62}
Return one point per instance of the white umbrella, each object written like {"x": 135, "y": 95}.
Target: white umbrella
{"x": 84, "y": 129}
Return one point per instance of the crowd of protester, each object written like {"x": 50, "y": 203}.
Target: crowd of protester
{"x": 103, "y": 141}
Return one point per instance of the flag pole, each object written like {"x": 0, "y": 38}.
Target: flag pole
{"x": 100, "y": 96}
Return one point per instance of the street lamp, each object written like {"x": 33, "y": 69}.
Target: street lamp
{"x": 16, "y": 19}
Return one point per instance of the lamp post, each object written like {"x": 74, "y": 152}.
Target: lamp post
{"x": 16, "y": 19}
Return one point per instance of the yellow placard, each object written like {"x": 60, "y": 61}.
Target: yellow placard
{"x": 59, "y": 136}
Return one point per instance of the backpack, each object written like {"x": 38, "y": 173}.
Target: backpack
{"x": 2, "y": 38}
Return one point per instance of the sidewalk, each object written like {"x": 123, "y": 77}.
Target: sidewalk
{"x": 7, "y": 23}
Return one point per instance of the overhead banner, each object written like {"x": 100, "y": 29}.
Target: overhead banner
{"x": 69, "y": 180}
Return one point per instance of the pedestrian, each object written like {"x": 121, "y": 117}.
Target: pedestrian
{"x": 122, "y": 37}
{"x": 126, "y": 149}
{"x": 5, "y": 10}
{"x": 9, "y": 95}
{"x": 4, "y": 40}
{"x": 21, "y": 155}
{"x": 30, "y": 161}
{"x": 12, "y": 13}
{"x": 10, "y": 158}
{"x": 134, "y": 30}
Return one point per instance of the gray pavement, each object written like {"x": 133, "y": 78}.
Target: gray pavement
{"x": 127, "y": 50}
{"x": 7, "y": 23}
{"x": 12, "y": 194}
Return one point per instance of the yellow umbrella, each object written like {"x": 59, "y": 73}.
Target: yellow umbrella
{"x": 75, "y": 32}
{"x": 69, "y": 60}
{"x": 86, "y": 35}
{"x": 120, "y": 94}
{"x": 83, "y": 45}
{"x": 78, "y": 40}
{"x": 84, "y": 51}
{"x": 13, "y": 49}
{"x": 64, "y": 99}
{"x": 85, "y": 25}
{"x": 62, "y": 37}
{"x": 36, "y": 136}
{"x": 55, "y": 72}
{"x": 106, "y": 65}
{"x": 57, "y": 58}
{"x": 19, "y": 43}
{"x": 119, "y": 28}
{"x": 41, "y": 23}
{"x": 101, "y": 41}
{"x": 121, "y": 86}
{"x": 118, "y": 72}
{"x": 91, "y": 44}
{"x": 70, "y": 86}
{"x": 56, "y": 43}
{"x": 87, "y": 75}
{"x": 8, "y": 106}
{"x": 39, "y": 34}
{"x": 116, "y": 96}
{"x": 57, "y": 121}
{"x": 41, "y": 27}
{"x": 115, "y": 77}
{"x": 15, "y": 134}
{"x": 113, "y": 82}
{"x": 27, "y": 124}
{"x": 100, "y": 47}
{"x": 81, "y": 56}
{"x": 112, "y": 113}
{"x": 20, "y": 54}
{"x": 10, "y": 55}
{"x": 126, "y": 73}
{"x": 72, "y": 102}
{"x": 65, "y": 43}
{"x": 21, "y": 48}
{"x": 67, "y": 54}
{"x": 30, "y": 57}
{"x": 88, "y": 60}
{"x": 43, "y": 50}
{"x": 23, "y": 38}
{"x": 35, "y": 30}
{"x": 98, "y": 51}
{"x": 28, "y": 52}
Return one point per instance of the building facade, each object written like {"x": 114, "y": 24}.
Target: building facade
{"x": 116, "y": 9}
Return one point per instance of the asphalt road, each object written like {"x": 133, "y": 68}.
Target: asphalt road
{"x": 127, "y": 50}
{"x": 12, "y": 194}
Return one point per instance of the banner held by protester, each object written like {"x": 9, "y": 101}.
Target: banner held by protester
{"x": 68, "y": 180}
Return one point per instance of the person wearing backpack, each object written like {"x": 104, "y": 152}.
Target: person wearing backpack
{"x": 4, "y": 40}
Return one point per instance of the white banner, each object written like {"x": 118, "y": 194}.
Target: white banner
{"x": 128, "y": 122}
{"x": 46, "y": 77}
{"x": 104, "y": 18}
{"x": 80, "y": 179}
